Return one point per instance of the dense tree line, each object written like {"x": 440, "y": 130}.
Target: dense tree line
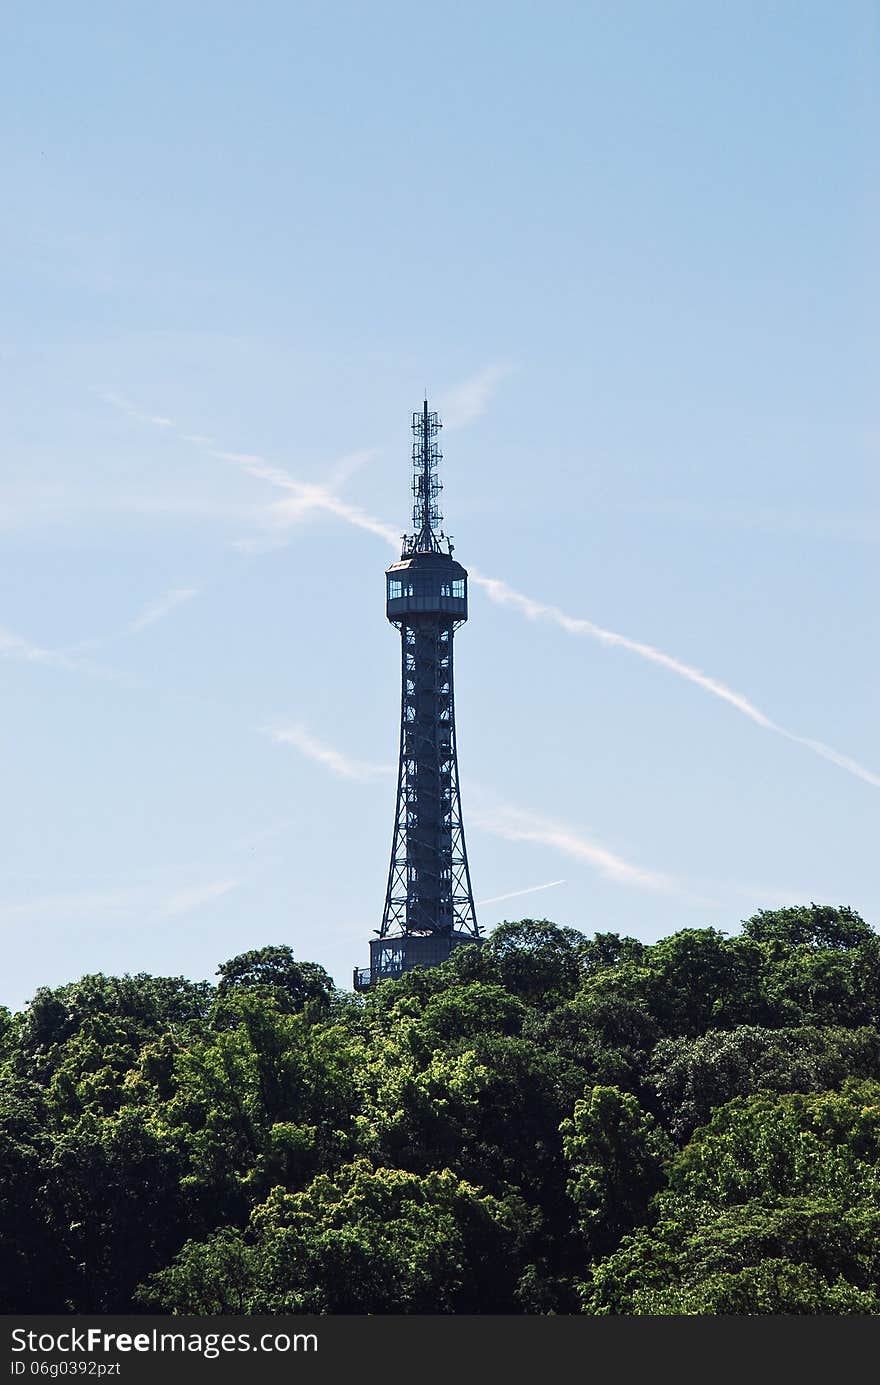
{"x": 549, "y": 1123}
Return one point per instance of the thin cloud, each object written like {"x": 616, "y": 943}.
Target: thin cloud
{"x": 16, "y": 647}
{"x": 501, "y": 593}
{"x": 504, "y": 595}
{"x": 306, "y": 497}
{"x": 91, "y": 905}
{"x": 514, "y": 825}
{"x": 346, "y": 466}
{"x": 160, "y": 892}
{"x": 343, "y": 766}
{"x": 469, "y": 399}
{"x": 501, "y": 820}
{"x": 827, "y": 752}
{"x": 125, "y": 406}
{"x": 515, "y": 894}
{"x": 185, "y": 901}
{"x": 162, "y": 607}
{"x": 144, "y": 900}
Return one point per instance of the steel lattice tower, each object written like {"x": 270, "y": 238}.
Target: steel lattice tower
{"x": 429, "y": 903}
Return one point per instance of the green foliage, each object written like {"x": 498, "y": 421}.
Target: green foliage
{"x": 362, "y": 1241}
{"x": 267, "y": 1099}
{"x": 773, "y": 1207}
{"x": 774, "y": 1286}
{"x": 26, "y": 1251}
{"x": 147, "y": 1004}
{"x": 616, "y": 1155}
{"x": 537, "y": 960}
{"x": 598, "y": 1039}
{"x": 271, "y": 971}
{"x": 545, "y": 1123}
{"x": 817, "y": 925}
{"x": 693, "y": 1076}
{"x": 827, "y": 1143}
{"x": 698, "y": 1254}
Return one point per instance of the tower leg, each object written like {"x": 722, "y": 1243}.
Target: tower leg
{"x": 429, "y": 889}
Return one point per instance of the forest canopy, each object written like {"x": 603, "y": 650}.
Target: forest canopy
{"x": 547, "y": 1123}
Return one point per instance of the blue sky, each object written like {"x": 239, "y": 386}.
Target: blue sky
{"x": 630, "y": 250}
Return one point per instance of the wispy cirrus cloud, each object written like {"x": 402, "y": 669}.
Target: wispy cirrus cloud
{"x": 343, "y": 766}
{"x": 515, "y": 894}
{"x": 504, "y": 595}
{"x": 16, "y": 647}
{"x": 500, "y": 819}
{"x": 144, "y": 899}
{"x": 161, "y": 607}
{"x": 306, "y": 497}
{"x": 516, "y": 825}
{"x": 467, "y": 400}
{"x": 13, "y": 646}
{"x": 186, "y": 901}
{"x": 125, "y": 406}
{"x": 90, "y": 905}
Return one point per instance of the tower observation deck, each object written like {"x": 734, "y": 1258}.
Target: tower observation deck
{"x": 429, "y": 903}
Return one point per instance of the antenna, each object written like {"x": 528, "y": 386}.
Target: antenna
{"x": 426, "y": 485}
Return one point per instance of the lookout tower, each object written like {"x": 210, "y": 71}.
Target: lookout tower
{"x": 429, "y": 903}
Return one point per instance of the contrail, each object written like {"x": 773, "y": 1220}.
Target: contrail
{"x": 514, "y": 894}
{"x": 315, "y": 497}
{"x": 306, "y": 496}
{"x": 501, "y": 819}
{"x": 310, "y": 496}
{"x": 469, "y": 399}
{"x": 515, "y": 825}
{"x": 504, "y": 595}
{"x": 343, "y": 766}
{"x": 163, "y": 606}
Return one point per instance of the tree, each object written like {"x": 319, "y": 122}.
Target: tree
{"x": 364, "y": 1240}
{"x": 207, "y": 1278}
{"x": 537, "y": 960}
{"x": 815, "y": 925}
{"x": 30, "y": 1262}
{"x": 616, "y": 1155}
{"x": 269, "y": 1098}
{"x": 693, "y": 1076}
{"x": 795, "y": 1255}
{"x": 775, "y": 1286}
{"x": 482, "y": 1136}
{"x": 272, "y": 970}
{"x": 113, "y": 1200}
{"x": 142, "y": 1007}
{"x": 824, "y": 1144}
{"x": 597, "y": 1039}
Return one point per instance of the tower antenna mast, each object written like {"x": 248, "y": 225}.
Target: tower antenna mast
{"x": 429, "y": 903}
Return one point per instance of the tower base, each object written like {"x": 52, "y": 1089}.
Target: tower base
{"x": 391, "y": 957}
